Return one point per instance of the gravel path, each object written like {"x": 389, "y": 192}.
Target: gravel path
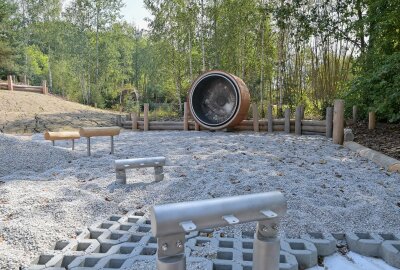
{"x": 47, "y": 193}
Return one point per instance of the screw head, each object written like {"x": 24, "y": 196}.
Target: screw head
{"x": 164, "y": 247}
{"x": 265, "y": 228}
{"x": 179, "y": 244}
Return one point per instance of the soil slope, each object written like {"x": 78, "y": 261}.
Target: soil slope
{"x": 22, "y": 112}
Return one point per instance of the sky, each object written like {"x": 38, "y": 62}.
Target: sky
{"x": 134, "y": 11}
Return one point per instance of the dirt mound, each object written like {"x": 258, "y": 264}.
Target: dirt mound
{"x": 22, "y": 112}
{"x": 385, "y": 138}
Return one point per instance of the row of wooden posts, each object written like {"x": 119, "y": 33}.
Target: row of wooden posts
{"x": 11, "y": 86}
{"x": 331, "y": 127}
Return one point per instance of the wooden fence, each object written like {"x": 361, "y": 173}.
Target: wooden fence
{"x": 299, "y": 125}
{"x": 11, "y": 86}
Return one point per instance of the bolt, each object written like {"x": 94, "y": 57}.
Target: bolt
{"x": 265, "y": 228}
{"x": 164, "y": 247}
{"x": 179, "y": 244}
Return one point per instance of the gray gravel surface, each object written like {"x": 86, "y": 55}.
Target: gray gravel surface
{"x": 47, "y": 193}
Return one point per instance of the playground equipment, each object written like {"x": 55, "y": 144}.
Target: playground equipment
{"x": 218, "y": 100}
{"x": 170, "y": 223}
{"x": 122, "y": 164}
{"x": 89, "y": 132}
{"x": 62, "y": 135}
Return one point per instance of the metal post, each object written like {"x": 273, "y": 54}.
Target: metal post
{"x": 112, "y": 145}
{"x": 158, "y": 173}
{"x": 121, "y": 176}
{"x": 170, "y": 226}
{"x": 73, "y": 144}
{"x": 88, "y": 146}
{"x": 54, "y": 143}
{"x": 266, "y": 246}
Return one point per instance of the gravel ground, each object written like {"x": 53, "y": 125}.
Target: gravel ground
{"x": 47, "y": 193}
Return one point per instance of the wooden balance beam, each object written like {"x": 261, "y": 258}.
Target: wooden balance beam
{"x": 62, "y": 135}
{"x": 122, "y": 164}
{"x": 89, "y": 132}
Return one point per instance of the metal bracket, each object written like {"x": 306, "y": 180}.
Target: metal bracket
{"x": 188, "y": 226}
{"x": 231, "y": 219}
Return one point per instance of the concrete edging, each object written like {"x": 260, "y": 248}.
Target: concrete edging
{"x": 390, "y": 164}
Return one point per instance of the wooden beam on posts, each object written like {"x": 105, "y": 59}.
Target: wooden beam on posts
{"x": 297, "y": 124}
{"x": 146, "y": 117}
{"x": 270, "y": 119}
{"x": 329, "y": 122}
{"x": 371, "y": 120}
{"x": 287, "y": 120}
{"x": 338, "y": 122}
{"x": 10, "y": 83}
{"x": 185, "y": 116}
{"x": 256, "y": 126}
{"x": 354, "y": 114}
{"x": 134, "y": 121}
{"x": 44, "y": 87}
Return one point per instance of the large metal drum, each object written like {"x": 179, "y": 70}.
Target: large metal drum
{"x": 219, "y": 100}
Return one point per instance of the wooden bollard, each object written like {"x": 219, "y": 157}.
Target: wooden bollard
{"x": 338, "y": 122}
{"x": 270, "y": 119}
{"x": 354, "y": 114}
{"x": 10, "y": 83}
{"x": 297, "y": 123}
{"x": 196, "y": 126}
{"x": 329, "y": 122}
{"x": 185, "y": 116}
{"x": 134, "y": 121}
{"x": 44, "y": 87}
{"x": 146, "y": 117}
{"x": 302, "y": 111}
{"x": 371, "y": 120}
{"x": 256, "y": 126}
{"x": 287, "y": 120}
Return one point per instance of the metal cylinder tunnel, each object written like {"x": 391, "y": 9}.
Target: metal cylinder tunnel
{"x": 218, "y": 100}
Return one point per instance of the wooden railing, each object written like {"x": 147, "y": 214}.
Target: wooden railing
{"x": 11, "y": 86}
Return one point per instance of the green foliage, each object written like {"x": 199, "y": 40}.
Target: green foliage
{"x": 378, "y": 89}
{"x": 376, "y": 86}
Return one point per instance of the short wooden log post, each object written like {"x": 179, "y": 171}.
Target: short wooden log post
{"x": 146, "y": 117}
{"x": 338, "y": 122}
{"x": 185, "y": 116}
{"x": 371, "y": 120}
{"x": 134, "y": 121}
{"x": 10, "y": 83}
{"x": 287, "y": 120}
{"x": 196, "y": 126}
{"x": 354, "y": 114}
{"x": 256, "y": 126}
{"x": 302, "y": 111}
{"x": 270, "y": 119}
{"x": 329, "y": 122}
{"x": 297, "y": 124}
{"x": 44, "y": 87}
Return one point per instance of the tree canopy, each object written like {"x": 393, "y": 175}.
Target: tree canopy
{"x": 289, "y": 52}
